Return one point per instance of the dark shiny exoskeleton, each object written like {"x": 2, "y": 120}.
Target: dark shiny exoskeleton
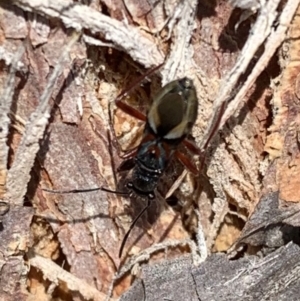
{"x": 169, "y": 121}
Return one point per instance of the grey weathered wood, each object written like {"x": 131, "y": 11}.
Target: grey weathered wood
{"x": 274, "y": 277}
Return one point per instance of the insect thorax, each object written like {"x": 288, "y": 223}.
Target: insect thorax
{"x": 151, "y": 160}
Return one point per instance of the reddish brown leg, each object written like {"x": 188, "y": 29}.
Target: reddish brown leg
{"x": 123, "y": 155}
{"x": 130, "y": 111}
{"x": 191, "y": 146}
{"x": 136, "y": 82}
{"x": 130, "y": 153}
{"x": 125, "y": 107}
{"x": 186, "y": 162}
{"x": 215, "y": 124}
{"x": 211, "y": 133}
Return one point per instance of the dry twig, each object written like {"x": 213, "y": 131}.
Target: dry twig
{"x": 6, "y": 93}
{"x": 262, "y": 29}
{"x": 79, "y": 16}
{"x": 19, "y": 174}
{"x": 55, "y": 274}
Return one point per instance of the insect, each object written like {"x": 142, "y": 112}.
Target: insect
{"x": 167, "y": 124}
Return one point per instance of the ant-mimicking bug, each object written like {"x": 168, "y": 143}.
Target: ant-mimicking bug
{"x": 167, "y": 124}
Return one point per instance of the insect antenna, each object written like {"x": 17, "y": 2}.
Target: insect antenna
{"x": 132, "y": 226}
{"x": 86, "y": 190}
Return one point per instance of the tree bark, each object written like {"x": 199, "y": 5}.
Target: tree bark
{"x": 62, "y": 65}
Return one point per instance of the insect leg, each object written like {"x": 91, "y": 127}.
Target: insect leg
{"x": 126, "y": 91}
{"x": 186, "y": 162}
{"x": 191, "y": 146}
{"x": 85, "y": 190}
{"x": 128, "y": 110}
{"x": 209, "y": 136}
{"x": 125, "y": 107}
{"x": 129, "y": 154}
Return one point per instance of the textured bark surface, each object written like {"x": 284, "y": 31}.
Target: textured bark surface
{"x": 62, "y": 64}
{"x": 275, "y": 277}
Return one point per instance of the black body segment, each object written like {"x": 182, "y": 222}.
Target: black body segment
{"x": 169, "y": 120}
{"x": 174, "y": 110}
